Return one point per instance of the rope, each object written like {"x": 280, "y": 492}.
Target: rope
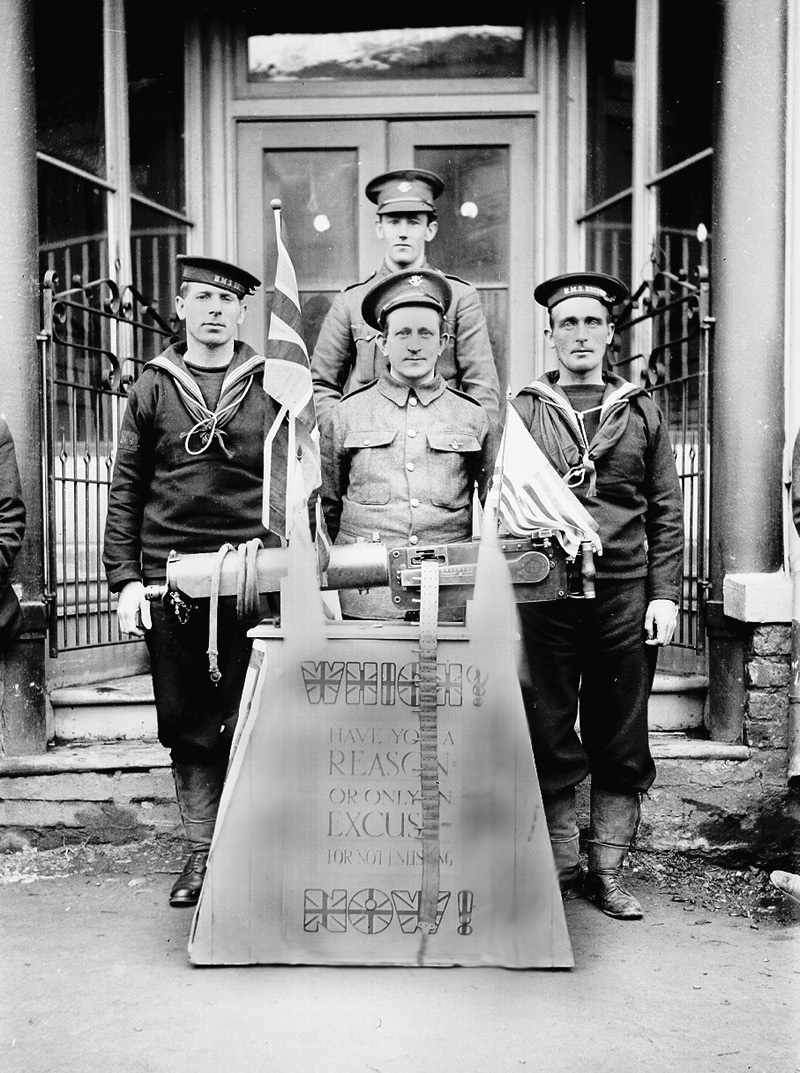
{"x": 247, "y": 594}
{"x": 214, "y": 672}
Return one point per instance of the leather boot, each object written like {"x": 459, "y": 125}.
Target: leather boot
{"x": 562, "y": 826}
{"x": 614, "y": 820}
{"x": 198, "y": 789}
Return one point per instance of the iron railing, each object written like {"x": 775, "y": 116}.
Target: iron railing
{"x": 95, "y": 339}
{"x": 673, "y": 311}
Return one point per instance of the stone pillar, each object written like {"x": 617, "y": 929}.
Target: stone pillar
{"x": 747, "y": 377}
{"x": 22, "y": 696}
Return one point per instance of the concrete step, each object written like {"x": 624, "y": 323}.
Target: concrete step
{"x": 123, "y": 708}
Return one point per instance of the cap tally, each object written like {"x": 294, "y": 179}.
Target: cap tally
{"x": 606, "y": 289}
{"x": 219, "y": 273}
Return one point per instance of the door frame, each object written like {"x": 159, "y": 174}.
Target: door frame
{"x": 385, "y": 144}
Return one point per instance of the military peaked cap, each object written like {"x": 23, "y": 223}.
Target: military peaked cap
{"x": 409, "y": 190}
{"x": 416, "y": 287}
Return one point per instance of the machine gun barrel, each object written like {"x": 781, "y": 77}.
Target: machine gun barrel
{"x": 538, "y": 566}
{"x": 349, "y": 566}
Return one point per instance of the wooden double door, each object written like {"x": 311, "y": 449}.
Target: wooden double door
{"x": 319, "y": 170}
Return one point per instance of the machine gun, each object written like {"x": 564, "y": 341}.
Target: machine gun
{"x": 540, "y": 570}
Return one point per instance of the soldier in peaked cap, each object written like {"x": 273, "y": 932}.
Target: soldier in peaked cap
{"x": 609, "y": 441}
{"x": 346, "y": 355}
{"x": 188, "y": 477}
{"x": 402, "y": 456}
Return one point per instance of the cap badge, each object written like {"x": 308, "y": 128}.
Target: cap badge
{"x": 404, "y": 187}
{"x": 415, "y": 281}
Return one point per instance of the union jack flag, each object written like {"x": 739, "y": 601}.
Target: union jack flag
{"x": 291, "y": 446}
{"x": 531, "y": 495}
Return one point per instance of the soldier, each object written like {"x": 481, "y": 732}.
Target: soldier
{"x": 188, "y": 477}
{"x": 346, "y": 355}
{"x": 402, "y": 456}
{"x": 609, "y": 441}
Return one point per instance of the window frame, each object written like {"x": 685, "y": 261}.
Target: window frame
{"x": 244, "y": 89}
{"x": 117, "y": 183}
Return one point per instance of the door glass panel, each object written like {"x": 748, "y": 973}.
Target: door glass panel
{"x": 342, "y": 53}
{"x": 473, "y": 240}
{"x": 319, "y": 191}
{"x": 610, "y": 71}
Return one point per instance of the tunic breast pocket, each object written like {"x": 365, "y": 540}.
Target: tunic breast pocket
{"x": 370, "y": 465}
{"x": 450, "y": 458}
{"x": 368, "y": 366}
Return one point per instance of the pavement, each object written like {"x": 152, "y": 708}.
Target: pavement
{"x": 95, "y": 976}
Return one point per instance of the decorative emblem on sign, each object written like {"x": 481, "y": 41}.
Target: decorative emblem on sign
{"x": 370, "y": 911}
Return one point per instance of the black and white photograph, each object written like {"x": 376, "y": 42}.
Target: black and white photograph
{"x": 400, "y": 537}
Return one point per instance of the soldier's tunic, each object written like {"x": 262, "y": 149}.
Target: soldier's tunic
{"x": 346, "y": 356}
{"x": 403, "y": 462}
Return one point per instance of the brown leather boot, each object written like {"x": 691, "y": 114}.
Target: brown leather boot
{"x": 562, "y": 826}
{"x": 614, "y": 820}
{"x": 198, "y": 789}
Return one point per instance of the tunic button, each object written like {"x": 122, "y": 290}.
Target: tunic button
{"x": 412, "y": 401}
{"x": 413, "y": 539}
{"x": 412, "y": 433}
{"x": 410, "y": 466}
{"x": 414, "y": 502}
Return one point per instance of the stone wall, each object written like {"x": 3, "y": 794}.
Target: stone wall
{"x": 736, "y": 812}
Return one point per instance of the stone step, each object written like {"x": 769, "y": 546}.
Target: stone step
{"x": 122, "y": 791}
{"x": 116, "y": 709}
{"x": 123, "y": 709}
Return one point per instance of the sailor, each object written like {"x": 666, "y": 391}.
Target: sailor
{"x": 595, "y": 659}
{"x": 188, "y": 477}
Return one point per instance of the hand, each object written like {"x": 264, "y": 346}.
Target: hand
{"x": 660, "y": 621}
{"x": 133, "y": 610}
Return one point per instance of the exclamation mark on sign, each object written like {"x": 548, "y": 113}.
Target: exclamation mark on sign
{"x": 465, "y": 912}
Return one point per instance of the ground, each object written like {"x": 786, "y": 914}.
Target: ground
{"x": 689, "y": 880}
{"x": 96, "y": 974}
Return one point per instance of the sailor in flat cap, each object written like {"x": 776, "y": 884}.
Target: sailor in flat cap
{"x": 188, "y": 477}
{"x": 610, "y": 442}
{"x": 346, "y": 355}
{"x": 403, "y": 455}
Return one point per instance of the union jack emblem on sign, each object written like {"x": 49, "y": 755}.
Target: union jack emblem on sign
{"x": 448, "y": 683}
{"x": 406, "y": 905}
{"x": 361, "y": 683}
{"x": 323, "y": 910}
{"x": 322, "y": 681}
{"x": 370, "y": 911}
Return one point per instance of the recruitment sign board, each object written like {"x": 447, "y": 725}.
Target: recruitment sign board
{"x": 319, "y": 856}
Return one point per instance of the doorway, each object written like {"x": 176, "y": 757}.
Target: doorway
{"x": 319, "y": 168}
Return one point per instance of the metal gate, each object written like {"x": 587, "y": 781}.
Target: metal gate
{"x": 94, "y": 341}
{"x": 670, "y": 315}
